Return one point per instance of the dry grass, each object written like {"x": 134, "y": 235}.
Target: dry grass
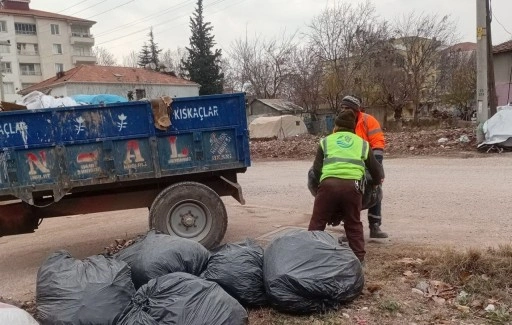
{"x": 484, "y": 275}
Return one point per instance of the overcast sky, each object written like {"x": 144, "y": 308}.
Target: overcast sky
{"x": 122, "y": 25}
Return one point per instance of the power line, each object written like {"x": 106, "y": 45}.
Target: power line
{"x": 167, "y": 22}
{"x": 94, "y": 5}
{"x": 505, "y": 29}
{"x": 123, "y": 4}
{"x": 72, "y": 6}
{"x": 141, "y": 20}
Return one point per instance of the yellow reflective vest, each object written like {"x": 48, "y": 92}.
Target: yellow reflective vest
{"x": 344, "y": 156}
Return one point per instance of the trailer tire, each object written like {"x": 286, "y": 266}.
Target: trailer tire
{"x": 190, "y": 210}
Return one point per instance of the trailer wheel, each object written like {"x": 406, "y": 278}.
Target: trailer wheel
{"x": 190, "y": 210}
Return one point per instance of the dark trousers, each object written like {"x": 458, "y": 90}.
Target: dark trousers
{"x": 374, "y": 213}
{"x": 340, "y": 197}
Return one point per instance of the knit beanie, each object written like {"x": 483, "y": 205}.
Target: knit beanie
{"x": 351, "y": 102}
{"x": 346, "y": 119}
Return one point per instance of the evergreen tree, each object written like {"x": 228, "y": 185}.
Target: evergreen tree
{"x": 202, "y": 65}
{"x": 144, "y": 56}
{"x": 154, "y": 51}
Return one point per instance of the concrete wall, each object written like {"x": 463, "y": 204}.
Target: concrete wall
{"x": 258, "y": 108}
{"x": 152, "y": 91}
{"x": 502, "y": 66}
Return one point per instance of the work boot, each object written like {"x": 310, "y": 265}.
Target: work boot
{"x": 375, "y": 231}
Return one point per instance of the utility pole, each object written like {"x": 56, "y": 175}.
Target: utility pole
{"x": 481, "y": 68}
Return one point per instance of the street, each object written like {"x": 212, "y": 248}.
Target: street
{"x": 434, "y": 201}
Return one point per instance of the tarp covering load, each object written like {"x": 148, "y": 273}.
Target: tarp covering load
{"x": 12, "y": 315}
{"x": 280, "y": 127}
{"x": 158, "y": 254}
{"x": 183, "y": 299}
{"x": 98, "y": 99}
{"x": 498, "y": 129}
{"x": 308, "y": 272}
{"x": 238, "y": 269}
{"x": 93, "y": 291}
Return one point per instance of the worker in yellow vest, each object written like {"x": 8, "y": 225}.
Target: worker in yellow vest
{"x": 339, "y": 167}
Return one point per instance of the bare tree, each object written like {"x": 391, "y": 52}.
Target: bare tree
{"x": 346, "y": 37}
{"x": 171, "y": 59}
{"x": 420, "y": 38}
{"x": 262, "y": 67}
{"x": 393, "y": 88}
{"x": 104, "y": 57}
{"x": 458, "y": 80}
{"x": 306, "y": 80}
{"x": 131, "y": 60}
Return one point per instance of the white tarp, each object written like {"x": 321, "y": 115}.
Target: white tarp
{"x": 498, "y": 129}
{"x": 37, "y": 100}
{"x": 277, "y": 126}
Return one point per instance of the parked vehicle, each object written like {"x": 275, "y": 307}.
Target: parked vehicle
{"x": 86, "y": 159}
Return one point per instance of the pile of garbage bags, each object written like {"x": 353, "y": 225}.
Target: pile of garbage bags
{"x": 182, "y": 298}
{"x": 309, "y": 272}
{"x": 178, "y": 281}
{"x": 93, "y": 291}
{"x": 159, "y": 254}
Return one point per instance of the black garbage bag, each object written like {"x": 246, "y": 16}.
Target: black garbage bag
{"x": 371, "y": 195}
{"x": 183, "y": 299}
{"x": 309, "y": 272}
{"x": 158, "y": 254}
{"x": 93, "y": 291}
{"x": 238, "y": 269}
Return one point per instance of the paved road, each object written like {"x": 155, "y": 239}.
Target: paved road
{"x": 438, "y": 201}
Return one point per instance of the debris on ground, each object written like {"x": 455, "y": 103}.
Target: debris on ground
{"x": 118, "y": 245}
{"x": 410, "y": 142}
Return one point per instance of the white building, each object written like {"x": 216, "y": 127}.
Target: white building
{"x": 35, "y": 45}
{"x": 127, "y": 82}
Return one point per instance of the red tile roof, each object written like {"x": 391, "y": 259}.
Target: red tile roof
{"x": 464, "y": 47}
{"x": 99, "y": 74}
{"x": 503, "y": 47}
{"x": 42, "y": 14}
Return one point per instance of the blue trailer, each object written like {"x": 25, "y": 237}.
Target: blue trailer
{"x": 96, "y": 158}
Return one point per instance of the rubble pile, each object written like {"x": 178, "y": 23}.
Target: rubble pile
{"x": 410, "y": 142}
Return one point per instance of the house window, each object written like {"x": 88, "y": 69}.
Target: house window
{"x": 59, "y": 67}
{"x": 27, "y": 49}
{"x": 30, "y": 69}
{"x": 25, "y": 29}
{"x": 23, "y": 86}
{"x": 140, "y": 93}
{"x": 57, "y": 49}
{"x": 5, "y": 49}
{"x": 8, "y": 88}
{"x": 3, "y": 26}
{"x": 5, "y": 67}
{"x": 55, "y": 29}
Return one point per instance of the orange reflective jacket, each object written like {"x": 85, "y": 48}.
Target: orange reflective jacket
{"x": 369, "y": 129}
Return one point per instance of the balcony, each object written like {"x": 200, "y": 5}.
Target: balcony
{"x": 28, "y": 53}
{"x": 82, "y": 38}
{"x": 30, "y": 73}
{"x": 83, "y": 59}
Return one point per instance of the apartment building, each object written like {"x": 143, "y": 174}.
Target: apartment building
{"x": 35, "y": 45}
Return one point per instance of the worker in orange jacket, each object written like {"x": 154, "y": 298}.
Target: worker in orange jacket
{"x": 368, "y": 128}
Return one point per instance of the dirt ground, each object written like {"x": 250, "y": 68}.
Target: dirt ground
{"x": 405, "y": 143}
{"x": 429, "y": 203}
